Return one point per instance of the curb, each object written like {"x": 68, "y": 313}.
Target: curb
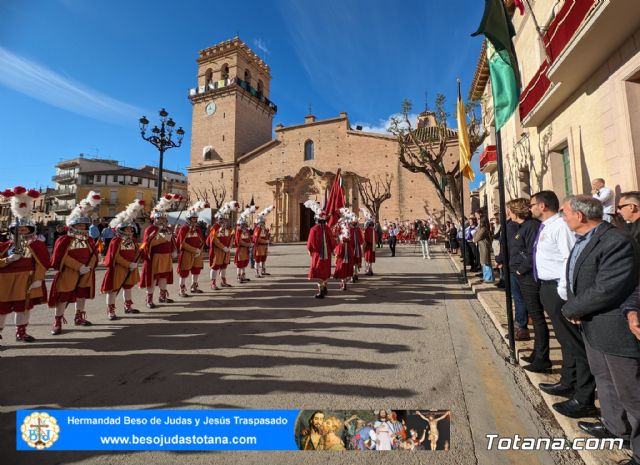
{"x": 492, "y": 300}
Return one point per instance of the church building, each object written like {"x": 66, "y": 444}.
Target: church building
{"x": 233, "y": 149}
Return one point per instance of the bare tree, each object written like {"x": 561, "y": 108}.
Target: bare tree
{"x": 523, "y": 163}
{"x": 217, "y": 194}
{"x": 423, "y": 150}
{"x": 375, "y": 192}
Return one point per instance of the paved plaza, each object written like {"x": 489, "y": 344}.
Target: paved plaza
{"x": 412, "y": 336}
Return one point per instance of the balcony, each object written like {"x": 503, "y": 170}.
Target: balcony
{"x": 61, "y": 208}
{"x": 488, "y": 159}
{"x": 533, "y": 94}
{"x": 581, "y": 37}
{"x": 63, "y": 193}
{"x": 64, "y": 178}
{"x": 227, "y": 84}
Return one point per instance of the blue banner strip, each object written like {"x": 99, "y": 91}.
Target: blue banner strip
{"x": 156, "y": 430}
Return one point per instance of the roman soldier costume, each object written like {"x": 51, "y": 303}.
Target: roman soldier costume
{"x": 121, "y": 260}
{"x": 369, "y": 242}
{"x": 261, "y": 242}
{"x": 357, "y": 239}
{"x": 190, "y": 243}
{"x": 243, "y": 243}
{"x": 158, "y": 246}
{"x": 24, "y": 260}
{"x": 320, "y": 245}
{"x": 219, "y": 241}
{"x": 74, "y": 258}
{"x": 344, "y": 249}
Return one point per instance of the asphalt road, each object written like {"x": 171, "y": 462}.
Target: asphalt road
{"x": 410, "y": 337}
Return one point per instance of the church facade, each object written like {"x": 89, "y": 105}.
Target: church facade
{"x": 233, "y": 151}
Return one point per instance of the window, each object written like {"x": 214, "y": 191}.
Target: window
{"x": 208, "y": 77}
{"x": 113, "y": 199}
{"x": 114, "y": 178}
{"x": 247, "y": 76}
{"x": 224, "y": 71}
{"x": 260, "y": 87}
{"x": 98, "y": 178}
{"x": 308, "y": 150}
{"x": 566, "y": 170}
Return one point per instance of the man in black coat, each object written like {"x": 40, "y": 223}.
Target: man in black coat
{"x": 602, "y": 273}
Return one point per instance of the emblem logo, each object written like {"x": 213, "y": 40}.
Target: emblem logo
{"x": 40, "y": 430}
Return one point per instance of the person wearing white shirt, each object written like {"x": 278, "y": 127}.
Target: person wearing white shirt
{"x": 551, "y": 252}
{"x": 605, "y": 196}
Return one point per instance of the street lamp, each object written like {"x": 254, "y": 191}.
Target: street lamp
{"x": 161, "y": 138}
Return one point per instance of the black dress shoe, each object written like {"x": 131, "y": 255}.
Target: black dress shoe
{"x": 319, "y": 295}
{"x": 556, "y": 389}
{"x": 573, "y": 409}
{"x": 538, "y": 367}
{"x": 529, "y": 358}
{"x": 598, "y": 430}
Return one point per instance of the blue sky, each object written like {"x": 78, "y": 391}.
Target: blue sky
{"x": 75, "y": 75}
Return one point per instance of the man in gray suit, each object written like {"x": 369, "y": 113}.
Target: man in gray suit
{"x": 602, "y": 273}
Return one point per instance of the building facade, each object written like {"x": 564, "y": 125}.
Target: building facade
{"x": 579, "y": 112}
{"x": 232, "y": 148}
{"x": 118, "y": 185}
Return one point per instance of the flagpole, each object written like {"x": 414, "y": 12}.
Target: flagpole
{"x": 464, "y": 240}
{"x": 504, "y": 248}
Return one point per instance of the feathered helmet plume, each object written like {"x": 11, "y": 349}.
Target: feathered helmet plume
{"x": 196, "y": 208}
{"x": 81, "y": 213}
{"x": 316, "y": 208}
{"x": 244, "y": 216}
{"x": 165, "y": 202}
{"x": 226, "y": 210}
{"x": 21, "y": 206}
{"x": 347, "y": 216}
{"x": 262, "y": 216}
{"x": 127, "y": 217}
{"x": 368, "y": 217}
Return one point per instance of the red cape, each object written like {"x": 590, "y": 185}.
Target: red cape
{"x": 320, "y": 267}
{"x": 59, "y": 251}
{"x": 146, "y": 277}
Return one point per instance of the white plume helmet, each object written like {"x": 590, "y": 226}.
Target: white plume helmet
{"x": 164, "y": 204}
{"x": 347, "y": 216}
{"x": 244, "y": 216}
{"x": 226, "y": 210}
{"x": 344, "y": 230}
{"x": 21, "y": 206}
{"x": 127, "y": 217}
{"x": 81, "y": 213}
{"x": 197, "y": 208}
{"x": 263, "y": 214}
{"x": 368, "y": 217}
{"x": 316, "y": 208}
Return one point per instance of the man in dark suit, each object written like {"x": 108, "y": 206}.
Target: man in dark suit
{"x": 602, "y": 273}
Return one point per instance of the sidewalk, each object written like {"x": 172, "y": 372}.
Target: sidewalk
{"x": 493, "y": 301}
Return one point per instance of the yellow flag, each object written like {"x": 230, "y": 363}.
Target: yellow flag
{"x": 463, "y": 140}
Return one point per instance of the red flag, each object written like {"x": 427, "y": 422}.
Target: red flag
{"x": 336, "y": 200}
{"x": 520, "y": 6}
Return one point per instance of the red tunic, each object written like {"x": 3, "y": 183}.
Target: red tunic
{"x": 357, "y": 239}
{"x": 156, "y": 249}
{"x": 320, "y": 244}
{"x": 243, "y": 242}
{"x": 33, "y": 264}
{"x": 260, "y": 244}
{"x": 68, "y": 284}
{"x": 187, "y": 261}
{"x": 219, "y": 238}
{"x": 370, "y": 244}
{"x": 111, "y": 263}
{"x": 344, "y": 259}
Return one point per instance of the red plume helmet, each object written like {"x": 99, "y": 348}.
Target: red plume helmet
{"x": 19, "y": 190}
{"x": 34, "y": 194}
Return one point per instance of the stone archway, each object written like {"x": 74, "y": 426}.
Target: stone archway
{"x": 290, "y": 192}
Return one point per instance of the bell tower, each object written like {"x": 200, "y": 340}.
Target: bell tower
{"x": 232, "y": 113}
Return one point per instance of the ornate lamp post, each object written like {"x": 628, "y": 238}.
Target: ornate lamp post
{"x": 161, "y": 138}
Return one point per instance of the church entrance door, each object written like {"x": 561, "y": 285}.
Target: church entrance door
{"x": 307, "y": 220}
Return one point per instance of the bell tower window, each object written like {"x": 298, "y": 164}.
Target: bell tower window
{"x": 224, "y": 72}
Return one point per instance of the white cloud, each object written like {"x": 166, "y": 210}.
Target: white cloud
{"x": 383, "y": 124}
{"x": 260, "y": 45}
{"x": 41, "y": 83}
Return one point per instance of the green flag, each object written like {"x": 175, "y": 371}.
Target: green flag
{"x": 503, "y": 62}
